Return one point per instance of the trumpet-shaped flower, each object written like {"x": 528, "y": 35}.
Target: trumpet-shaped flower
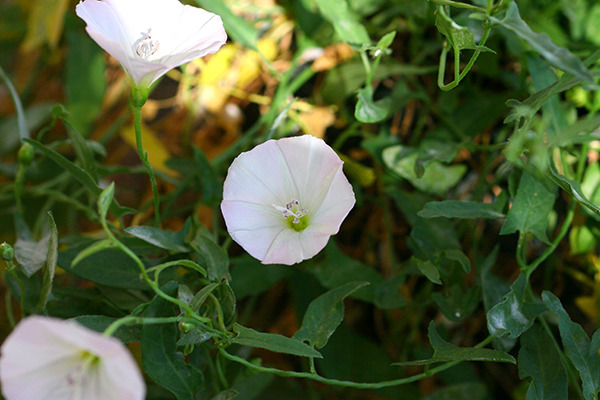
{"x": 150, "y": 37}
{"x": 283, "y": 199}
{"x": 50, "y": 359}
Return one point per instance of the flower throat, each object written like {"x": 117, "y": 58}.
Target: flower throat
{"x": 294, "y": 214}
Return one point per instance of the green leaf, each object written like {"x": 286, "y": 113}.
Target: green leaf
{"x": 577, "y": 346}
{"x": 572, "y": 187}
{"x": 22, "y": 127}
{"x": 558, "y": 56}
{"x": 226, "y": 395}
{"x": 82, "y": 150}
{"x": 460, "y": 37}
{"x": 50, "y": 270}
{"x": 458, "y": 303}
{"x": 460, "y": 209}
{"x": 339, "y": 269}
{"x": 109, "y": 266}
{"x": 386, "y": 40}
{"x": 82, "y": 176}
{"x": 237, "y": 27}
{"x": 172, "y": 241}
{"x": 160, "y": 358}
{"x": 216, "y": 259}
{"x": 324, "y": 314}
{"x": 428, "y": 269}
{"x": 99, "y": 323}
{"x": 273, "y": 342}
{"x": 460, "y": 257}
{"x": 370, "y": 111}
{"x": 250, "y": 277}
{"x": 105, "y": 199}
{"x": 539, "y": 360}
{"x": 446, "y": 352}
{"x": 530, "y": 209}
{"x": 515, "y": 314}
{"x": 436, "y": 178}
{"x": 93, "y": 249}
{"x": 346, "y": 25}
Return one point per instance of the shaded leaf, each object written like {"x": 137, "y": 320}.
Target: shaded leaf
{"x": 558, "y": 56}
{"x": 273, "y": 342}
{"x": 173, "y": 241}
{"x": 515, "y": 314}
{"x": 446, "y": 352}
{"x": 50, "y": 269}
{"x": 215, "y": 258}
{"x": 458, "y": 303}
{"x": 530, "y": 209}
{"x": 577, "y": 346}
{"x": 572, "y": 187}
{"x": 460, "y": 37}
{"x": 428, "y": 269}
{"x": 460, "y": 209}
{"x": 99, "y": 323}
{"x": 539, "y": 360}
{"x": 324, "y": 314}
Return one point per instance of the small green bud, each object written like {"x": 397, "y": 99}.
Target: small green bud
{"x": 7, "y": 252}
{"x": 185, "y": 327}
{"x": 26, "y": 154}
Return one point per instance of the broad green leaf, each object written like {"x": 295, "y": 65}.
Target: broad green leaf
{"x": 194, "y": 337}
{"x": 530, "y": 209}
{"x": 324, "y": 315}
{"x": 370, "y": 111}
{"x": 216, "y": 259}
{"x": 99, "y": 323}
{"x": 577, "y": 346}
{"x": 249, "y": 277}
{"x": 273, "y": 342}
{"x": 82, "y": 176}
{"x": 50, "y": 269}
{"x": 558, "y": 56}
{"x": 429, "y": 270}
{"x": 160, "y": 358}
{"x": 460, "y": 37}
{"x": 237, "y": 27}
{"x": 167, "y": 240}
{"x": 346, "y": 25}
{"x": 110, "y": 266}
{"x": 202, "y": 295}
{"x": 458, "y": 303}
{"x": 338, "y": 269}
{"x": 539, "y": 360}
{"x": 436, "y": 178}
{"x": 446, "y": 352}
{"x": 572, "y": 187}
{"x": 460, "y": 209}
{"x": 516, "y": 313}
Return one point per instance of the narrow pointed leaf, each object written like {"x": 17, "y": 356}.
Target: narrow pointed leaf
{"x": 277, "y": 343}
{"x": 50, "y": 270}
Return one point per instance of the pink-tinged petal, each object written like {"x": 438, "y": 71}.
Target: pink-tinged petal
{"x": 46, "y": 358}
{"x": 285, "y": 248}
{"x": 335, "y": 206}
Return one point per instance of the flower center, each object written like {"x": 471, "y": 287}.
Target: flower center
{"x": 294, "y": 213}
{"x": 77, "y": 377}
{"x": 146, "y": 47}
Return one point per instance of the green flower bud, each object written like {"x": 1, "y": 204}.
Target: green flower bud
{"x": 185, "y": 327}
{"x": 7, "y": 252}
{"x": 26, "y": 154}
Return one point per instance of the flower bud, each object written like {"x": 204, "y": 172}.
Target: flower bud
{"x": 185, "y": 327}
{"x": 26, "y": 154}
{"x": 7, "y": 252}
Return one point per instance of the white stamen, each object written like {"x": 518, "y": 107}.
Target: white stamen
{"x": 292, "y": 209}
{"x": 146, "y": 47}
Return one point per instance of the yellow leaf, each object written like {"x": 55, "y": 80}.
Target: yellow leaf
{"x": 45, "y": 23}
{"x": 157, "y": 153}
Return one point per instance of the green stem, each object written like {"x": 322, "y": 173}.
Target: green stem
{"x": 19, "y": 187}
{"x": 337, "y": 382}
{"x": 13, "y": 272}
{"x": 459, "y": 5}
{"x": 137, "y": 122}
{"x": 9, "y": 310}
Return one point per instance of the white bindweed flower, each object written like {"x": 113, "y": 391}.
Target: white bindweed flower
{"x": 50, "y": 359}
{"x": 283, "y": 199}
{"x": 150, "y": 37}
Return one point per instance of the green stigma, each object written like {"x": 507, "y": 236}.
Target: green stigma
{"x": 298, "y": 226}
{"x": 294, "y": 214}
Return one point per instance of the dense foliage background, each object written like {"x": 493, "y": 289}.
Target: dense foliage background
{"x": 476, "y": 222}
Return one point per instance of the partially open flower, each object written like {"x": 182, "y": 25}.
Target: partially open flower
{"x": 150, "y": 37}
{"x": 283, "y": 199}
{"x": 50, "y": 359}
